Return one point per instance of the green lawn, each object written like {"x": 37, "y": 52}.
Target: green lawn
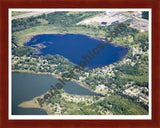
{"x": 143, "y": 78}
{"x": 124, "y": 106}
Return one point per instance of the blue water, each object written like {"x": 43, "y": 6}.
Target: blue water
{"x": 74, "y": 46}
{"x": 26, "y": 86}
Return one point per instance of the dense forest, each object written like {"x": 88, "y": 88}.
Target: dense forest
{"x": 64, "y": 19}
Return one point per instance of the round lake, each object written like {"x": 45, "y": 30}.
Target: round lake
{"x": 78, "y": 48}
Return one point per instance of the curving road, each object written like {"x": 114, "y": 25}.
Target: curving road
{"x": 34, "y": 13}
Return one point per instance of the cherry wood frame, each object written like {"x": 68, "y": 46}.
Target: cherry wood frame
{"x": 4, "y": 108}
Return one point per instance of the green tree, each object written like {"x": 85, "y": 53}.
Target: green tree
{"x": 145, "y": 15}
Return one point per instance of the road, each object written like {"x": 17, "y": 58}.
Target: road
{"x": 34, "y": 13}
{"x": 136, "y": 18}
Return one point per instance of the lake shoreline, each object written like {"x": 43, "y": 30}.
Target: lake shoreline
{"x": 88, "y": 35}
{"x": 56, "y": 76}
{"x": 32, "y": 103}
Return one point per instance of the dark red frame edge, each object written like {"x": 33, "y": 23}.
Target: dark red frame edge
{"x": 6, "y": 4}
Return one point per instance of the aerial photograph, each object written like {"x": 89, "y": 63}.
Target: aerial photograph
{"x": 79, "y": 62}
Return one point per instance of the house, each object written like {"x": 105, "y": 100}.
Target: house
{"x": 103, "y": 23}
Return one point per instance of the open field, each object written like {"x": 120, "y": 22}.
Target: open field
{"x": 24, "y": 14}
{"x": 143, "y": 78}
{"x": 17, "y": 13}
{"x": 24, "y": 36}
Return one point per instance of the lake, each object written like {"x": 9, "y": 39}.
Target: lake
{"x": 26, "y": 86}
{"x": 74, "y": 46}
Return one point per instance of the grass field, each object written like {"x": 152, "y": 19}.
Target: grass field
{"x": 24, "y": 36}
{"x": 143, "y": 78}
{"x": 17, "y": 13}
